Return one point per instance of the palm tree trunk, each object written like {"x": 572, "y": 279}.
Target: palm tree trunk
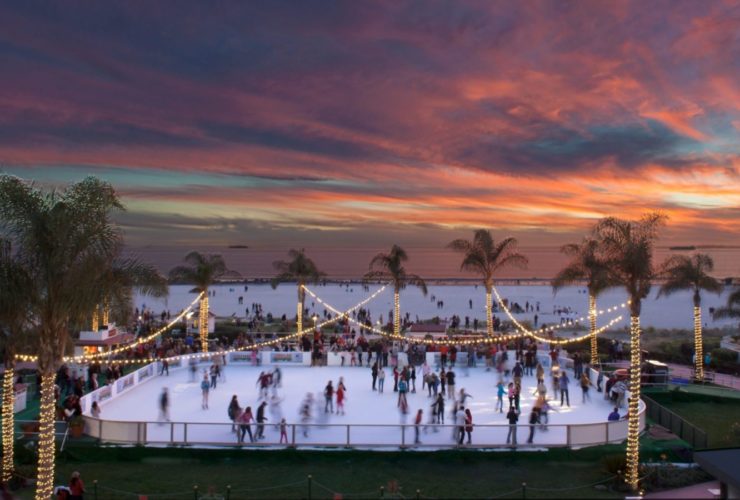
{"x": 489, "y": 319}
{"x": 633, "y": 424}
{"x": 299, "y": 308}
{"x": 106, "y": 313}
{"x": 698, "y": 342}
{"x": 396, "y": 312}
{"x": 592, "y": 328}
{"x": 203, "y": 322}
{"x": 95, "y": 325}
{"x": 46, "y": 446}
{"x": 8, "y": 418}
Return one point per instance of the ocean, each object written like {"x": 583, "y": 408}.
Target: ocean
{"x": 430, "y": 263}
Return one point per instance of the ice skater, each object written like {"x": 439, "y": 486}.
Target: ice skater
{"x": 500, "y": 391}
{"x": 381, "y": 380}
{"x": 283, "y": 431}
{"x": 233, "y": 411}
{"x": 205, "y": 387}
{"x": 164, "y": 406}
{"x": 245, "y": 425}
{"x": 276, "y": 412}
{"x": 329, "y": 398}
{"x": 261, "y": 419}
{"x": 417, "y": 425}
{"x": 402, "y": 390}
{"x": 341, "y": 390}
{"x": 306, "y": 413}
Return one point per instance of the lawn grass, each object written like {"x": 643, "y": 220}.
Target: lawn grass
{"x": 556, "y": 473}
{"x": 719, "y": 417}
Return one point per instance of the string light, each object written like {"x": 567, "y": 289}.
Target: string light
{"x": 46, "y": 445}
{"x": 592, "y": 328}
{"x": 203, "y": 322}
{"x": 489, "y": 314}
{"x": 633, "y": 424}
{"x": 299, "y": 317}
{"x": 698, "y": 344}
{"x": 498, "y": 339}
{"x": 132, "y": 345}
{"x": 8, "y": 424}
{"x": 396, "y": 313}
{"x": 530, "y": 333}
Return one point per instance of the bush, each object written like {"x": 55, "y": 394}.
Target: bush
{"x": 614, "y": 464}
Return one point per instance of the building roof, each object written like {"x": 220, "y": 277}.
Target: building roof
{"x": 121, "y": 338}
{"x": 722, "y": 464}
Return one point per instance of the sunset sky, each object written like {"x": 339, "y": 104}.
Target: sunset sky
{"x": 369, "y": 123}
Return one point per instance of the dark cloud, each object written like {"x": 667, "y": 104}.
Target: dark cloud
{"x": 627, "y": 146}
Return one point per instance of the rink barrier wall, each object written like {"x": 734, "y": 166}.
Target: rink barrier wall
{"x": 186, "y": 433}
{"x": 118, "y": 387}
{"x": 360, "y": 436}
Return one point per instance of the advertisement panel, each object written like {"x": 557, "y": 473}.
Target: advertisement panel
{"x": 124, "y": 383}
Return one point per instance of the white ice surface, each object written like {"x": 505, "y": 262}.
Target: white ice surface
{"x": 363, "y": 406}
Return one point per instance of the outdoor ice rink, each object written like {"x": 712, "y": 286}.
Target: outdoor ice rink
{"x": 373, "y": 418}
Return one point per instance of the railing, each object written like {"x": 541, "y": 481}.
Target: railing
{"x": 676, "y": 424}
{"x": 356, "y": 435}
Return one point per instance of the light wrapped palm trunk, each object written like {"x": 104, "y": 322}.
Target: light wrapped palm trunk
{"x": 8, "y": 420}
{"x": 592, "y": 329}
{"x": 46, "y": 446}
{"x": 95, "y": 324}
{"x": 489, "y": 318}
{"x": 698, "y": 346}
{"x": 203, "y": 322}
{"x": 396, "y": 313}
{"x": 299, "y": 309}
{"x": 106, "y": 315}
{"x": 633, "y": 424}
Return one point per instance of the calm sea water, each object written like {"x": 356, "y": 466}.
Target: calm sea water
{"x": 430, "y": 263}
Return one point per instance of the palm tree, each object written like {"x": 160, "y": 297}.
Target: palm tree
{"x": 627, "y": 248}
{"x": 732, "y": 309}
{"x": 63, "y": 238}
{"x": 391, "y": 269}
{"x": 586, "y": 265}
{"x": 682, "y": 272}
{"x": 300, "y": 269}
{"x": 119, "y": 282}
{"x": 483, "y": 256}
{"x": 203, "y": 270}
{"x": 14, "y": 328}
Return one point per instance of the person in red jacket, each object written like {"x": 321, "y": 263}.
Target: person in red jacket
{"x": 76, "y": 487}
{"x": 468, "y": 424}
